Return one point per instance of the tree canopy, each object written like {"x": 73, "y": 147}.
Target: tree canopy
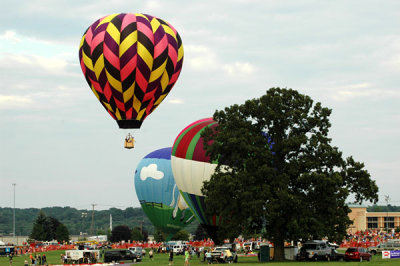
{"x": 120, "y": 232}
{"x": 47, "y": 228}
{"x": 200, "y": 233}
{"x": 181, "y": 235}
{"x": 278, "y": 173}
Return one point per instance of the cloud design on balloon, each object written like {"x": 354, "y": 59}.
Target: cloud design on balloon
{"x": 151, "y": 171}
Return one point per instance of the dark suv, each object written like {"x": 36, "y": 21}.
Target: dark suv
{"x": 121, "y": 255}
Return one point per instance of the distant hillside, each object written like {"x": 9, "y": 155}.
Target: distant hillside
{"x": 76, "y": 220}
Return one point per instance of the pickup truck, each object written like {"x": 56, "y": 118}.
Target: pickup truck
{"x": 138, "y": 251}
{"x": 116, "y": 255}
{"x": 219, "y": 254}
{"x": 317, "y": 250}
{"x": 389, "y": 245}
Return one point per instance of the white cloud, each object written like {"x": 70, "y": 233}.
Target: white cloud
{"x": 153, "y": 5}
{"x": 351, "y": 91}
{"x": 202, "y": 58}
{"x": 151, "y": 172}
{"x": 175, "y": 101}
{"x": 51, "y": 64}
{"x": 14, "y": 101}
{"x": 239, "y": 68}
{"x": 11, "y": 36}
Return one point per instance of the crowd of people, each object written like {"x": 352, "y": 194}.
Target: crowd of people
{"x": 368, "y": 238}
{"x": 201, "y": 250}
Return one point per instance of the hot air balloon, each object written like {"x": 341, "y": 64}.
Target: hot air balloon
{"x": 191, "y": 167}
{"x": 158, "y": 193}
{"x": 131, "y": 62}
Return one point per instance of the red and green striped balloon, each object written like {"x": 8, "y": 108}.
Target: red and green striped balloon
{"x": 131, "y": 62}
{"x": 191, "y": 167}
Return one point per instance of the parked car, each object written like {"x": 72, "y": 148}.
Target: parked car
{"x": 179, "y": 249}
{"x": 121, "y": 255}
{"x": 335, "y": 255}
{"x": 358, "y": 254}
{"x": 219, "y": 254}
{"x": 316, "y": 250}
{"x": 138, "y": 251}
{"x": 389, "y": 245}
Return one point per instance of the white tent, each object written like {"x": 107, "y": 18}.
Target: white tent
{"x": 2, "y": 243}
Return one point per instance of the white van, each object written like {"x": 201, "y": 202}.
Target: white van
{"x": 178, "y": 249}
{"x": 82, "y": 256}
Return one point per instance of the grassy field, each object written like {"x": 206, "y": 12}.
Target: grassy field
{"x": 53, "y": 257}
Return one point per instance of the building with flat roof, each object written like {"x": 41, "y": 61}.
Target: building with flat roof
{"x": 363, "y": 220}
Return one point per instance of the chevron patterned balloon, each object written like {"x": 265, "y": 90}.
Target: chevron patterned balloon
{"x": 131, "y": 62}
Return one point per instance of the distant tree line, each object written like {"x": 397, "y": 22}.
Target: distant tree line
{"x": 78, "y": 221}
{"x": 386, "y": 208}
{"x": 124, "y": 233}
{"x": 75, "y": 222}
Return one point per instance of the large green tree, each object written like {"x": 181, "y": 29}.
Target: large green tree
{"x": 136, "y": 235}
{"x": 40, "y": 228}
{"x": 120, "y": 232}
{"x": 159, "y": 236}
{"x": 47, "y": 228}
{"x": 62, "y": 234}
{"x": 278, "y": 173}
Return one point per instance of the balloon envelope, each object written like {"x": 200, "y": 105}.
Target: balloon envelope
{"x": 158, "y": 194}
{"x": 191, "y": 167}
{"x": 131, "y": 62}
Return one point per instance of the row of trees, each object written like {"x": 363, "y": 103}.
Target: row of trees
{"x": 47, "y": 228}
{"x": 124, "y": 233}
{"x": 77, "y": 220}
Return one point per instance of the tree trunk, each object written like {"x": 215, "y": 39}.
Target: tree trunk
{"x": 279, "y": 249}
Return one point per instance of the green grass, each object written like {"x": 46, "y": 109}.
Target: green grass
{"x": 53, "y": 257}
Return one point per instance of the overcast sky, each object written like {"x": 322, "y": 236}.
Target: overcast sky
{"x": 61, "y": 148}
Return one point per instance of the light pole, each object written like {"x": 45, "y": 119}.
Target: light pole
{"x": 387, "y": 199}
{"x": 92, "y": 225}
{"x": 14, "y": 184}
{"x": 84, "y": 215}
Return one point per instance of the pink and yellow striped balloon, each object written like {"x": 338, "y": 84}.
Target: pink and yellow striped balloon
{"x": 131, "y": 62}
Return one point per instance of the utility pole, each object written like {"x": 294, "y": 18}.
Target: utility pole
{"x": 92, "y": 225}
{"x": 141, "y": 226}
{"x": 14, "y": 184}
{"x": 387, "y": 199}
{"x": 110, "y": 222}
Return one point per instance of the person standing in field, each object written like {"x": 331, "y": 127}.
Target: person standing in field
{"x": 229, "y": 255}
{"x": 171, "y": 257}
{"x": 208, "y": 256}
{"x": 44, "y": 259}
{"x": 11, "y": 258}
{"x": 187, "y": 257}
